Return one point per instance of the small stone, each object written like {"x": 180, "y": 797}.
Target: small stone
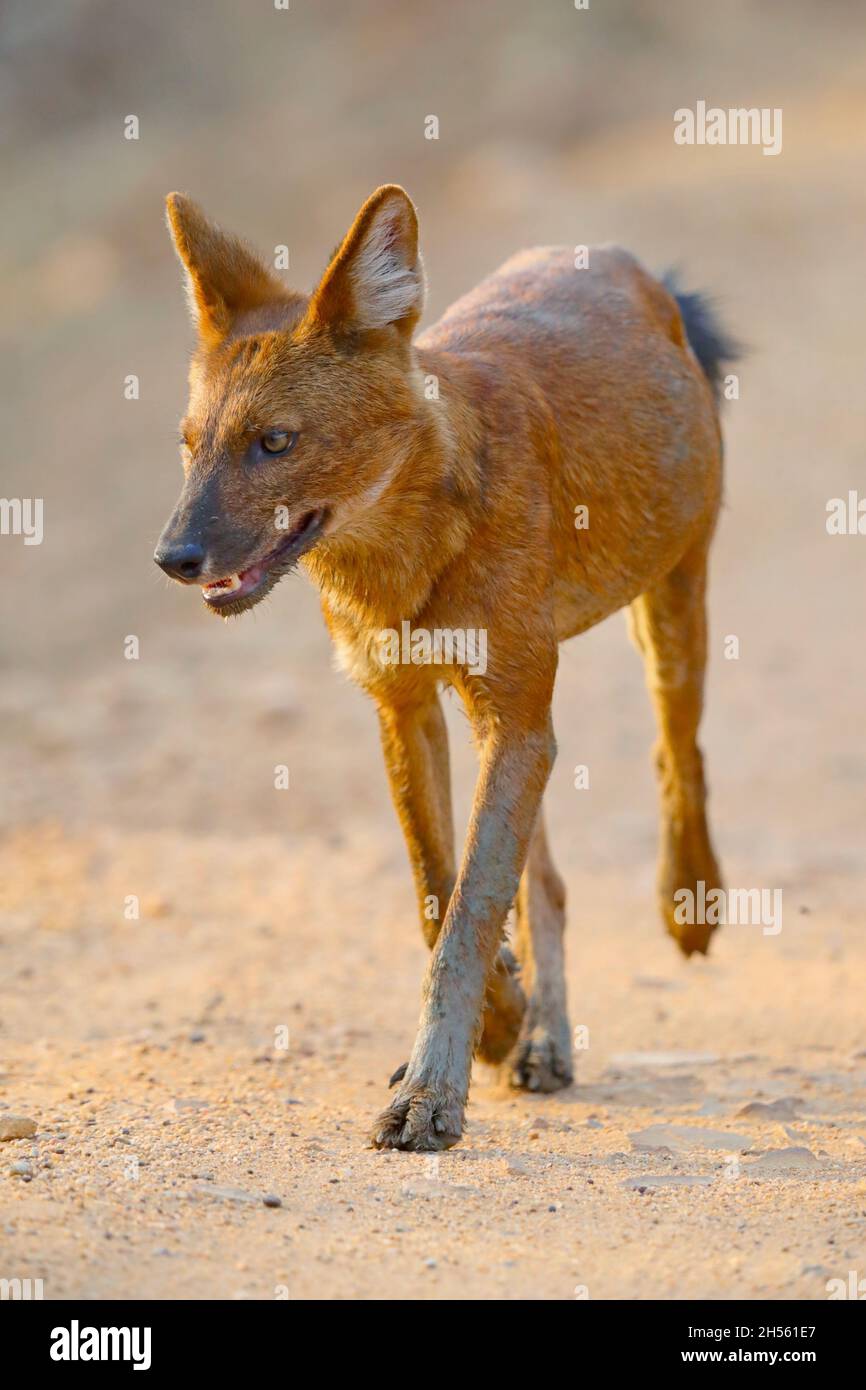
{"x": 430, "y": 1264}
{"x": 644, "y": 1184}
{"x": 16, "y": 1127}
{"x": 784, "y": 1109}
{"x": 197, "y": 1036}
{"x": 225, "y": 1194}
{"x": 22, "y": 1168}
{"x": 677, "y": 1137}
{"x": 272, "y": 1200}
{"x": 777, "y": 1160}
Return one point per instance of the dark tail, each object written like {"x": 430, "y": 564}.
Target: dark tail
{"x": 710, "y": 343}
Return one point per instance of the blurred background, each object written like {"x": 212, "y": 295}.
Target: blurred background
{"x": 154, "y": 776}
{"x": 555, "y": 127}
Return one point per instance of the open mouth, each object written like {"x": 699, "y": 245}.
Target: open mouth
{"x": 237, "y": 592}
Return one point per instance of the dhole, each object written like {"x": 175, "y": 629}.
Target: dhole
{"x": 311, "y": 436}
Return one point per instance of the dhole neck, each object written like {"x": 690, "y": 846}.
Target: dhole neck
{"x": 385, "y": 566}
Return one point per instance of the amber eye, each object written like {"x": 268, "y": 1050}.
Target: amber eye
{"x": 279, "y": 441}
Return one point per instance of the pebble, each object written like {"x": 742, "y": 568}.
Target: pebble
{"x": 687, "y": 1137}
{"x": 783, "y": 1109}
{"x": 778, "y": 1159}
{"x": 16, "y": 1127}
{"x": 23, "y": 1168}
{"x": 225, "y": 1194}
{"x": 674, "y": 1180}
{"x": 272, "y": 1200}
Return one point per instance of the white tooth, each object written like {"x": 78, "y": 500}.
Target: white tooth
{"x": 234, "y": 583}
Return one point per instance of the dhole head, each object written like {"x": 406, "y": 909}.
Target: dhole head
{"x": 298, "y": 405}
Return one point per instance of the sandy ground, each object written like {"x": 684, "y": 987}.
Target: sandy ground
{"x": 234, "y": 1041}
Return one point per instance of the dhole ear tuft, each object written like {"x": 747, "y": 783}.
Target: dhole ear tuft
{"x": 376, "y": 278}
{"x": 223, "y": 276}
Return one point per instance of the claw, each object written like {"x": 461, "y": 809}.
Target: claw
{"x": 398, "y": 1076}
{"x": 420, "y": 1120}
{"x": 539, "y": 1066}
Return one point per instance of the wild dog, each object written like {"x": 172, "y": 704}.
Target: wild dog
{"x": 434, "y": 481}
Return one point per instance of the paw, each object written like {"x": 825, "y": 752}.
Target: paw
{"x": 542, "y": 1061}
{"x": 421, "y": 1119}
{"x": 694, "y": 936}
{"x": 686, "y": 861}
{"x": 691, "y": 937}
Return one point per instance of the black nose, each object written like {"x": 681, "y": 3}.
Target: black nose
{"x": 182, "y": 562}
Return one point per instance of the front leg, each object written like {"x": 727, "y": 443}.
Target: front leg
{"x": 415, "y": 747}
{"x": 427, "y": 1112}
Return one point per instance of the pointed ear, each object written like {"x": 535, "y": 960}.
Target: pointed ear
{"x": 376, "y": 279}
{"x": 223, "y": 276}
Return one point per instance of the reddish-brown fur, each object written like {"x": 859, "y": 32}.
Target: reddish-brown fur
{"x": 557, "y": 388}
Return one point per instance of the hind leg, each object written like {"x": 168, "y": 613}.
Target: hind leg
{"x": 542, "y": 1059}
{"x": 668, "y": 624}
